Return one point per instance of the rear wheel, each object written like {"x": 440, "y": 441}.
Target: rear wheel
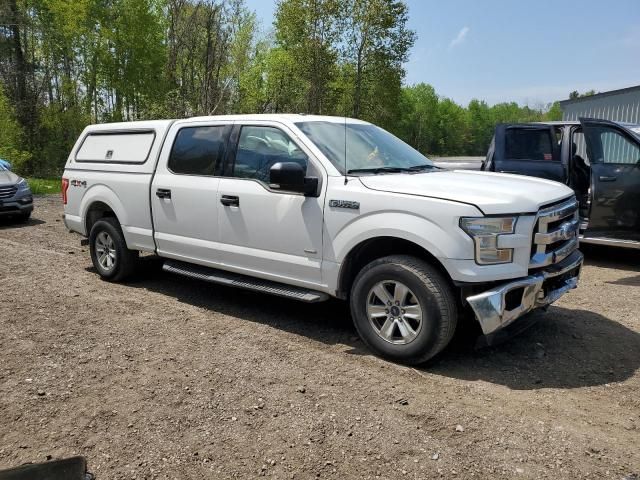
{"x": 403, "y": 308}
{"x": 109, "y": 253}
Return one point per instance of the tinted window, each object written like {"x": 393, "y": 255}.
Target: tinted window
{"x": 259, "y": 148}
{"x": 616, "y": 148}
{"x": 198, "y": 150}
{"x": 528, "y": 144}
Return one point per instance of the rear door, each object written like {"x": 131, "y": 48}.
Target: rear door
{"x": 614, "y": 153}
{"x": 184, "y": 191}
{"x": 528, "y": 149}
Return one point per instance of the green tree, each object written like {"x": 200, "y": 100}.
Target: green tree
{"x": 418, "y": 123}
{"x": 307, "y": 30}
{"x": 481, "y": 125}
{"x": 11, "y": 136}
{"x": 554, "y": 112}
{"x": 376, "y": 43}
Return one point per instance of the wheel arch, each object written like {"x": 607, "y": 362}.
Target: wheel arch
{"x": 377, "y": 247}
{"x": 100, "y": 202}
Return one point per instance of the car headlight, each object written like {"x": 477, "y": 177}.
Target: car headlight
{"x": 485, "y": 232}
{"x": 22, "y": 184}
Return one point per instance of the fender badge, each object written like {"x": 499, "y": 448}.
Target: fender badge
{"x": 344, "y": 204}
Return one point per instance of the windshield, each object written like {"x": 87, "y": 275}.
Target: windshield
{"x": 368, "y": 148}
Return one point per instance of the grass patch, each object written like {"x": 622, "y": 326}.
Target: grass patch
{"x": 42, "y": 186}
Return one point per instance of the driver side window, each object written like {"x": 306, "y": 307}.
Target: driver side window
{"x": 261, "y": 147}
{"x": 616, "y": 148}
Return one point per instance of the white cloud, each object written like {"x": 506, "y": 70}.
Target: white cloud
{"x": 462, "y": 35}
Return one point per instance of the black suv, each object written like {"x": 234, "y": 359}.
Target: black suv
{"x": 599, "y": 159}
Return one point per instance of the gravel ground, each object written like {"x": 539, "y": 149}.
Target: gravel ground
{"x": 165, "y": 377}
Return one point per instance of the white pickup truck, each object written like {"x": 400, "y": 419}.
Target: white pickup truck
{"x": 311, "y": 207}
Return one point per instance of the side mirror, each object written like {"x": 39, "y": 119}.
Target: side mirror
{"x": 290, "y": 176}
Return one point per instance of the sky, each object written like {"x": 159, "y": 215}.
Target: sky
{"x": 532, "y": 52}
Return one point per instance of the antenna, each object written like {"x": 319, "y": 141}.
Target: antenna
{"x": 345, "y": 151}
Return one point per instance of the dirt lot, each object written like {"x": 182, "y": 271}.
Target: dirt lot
{"x": 170, "y": 378}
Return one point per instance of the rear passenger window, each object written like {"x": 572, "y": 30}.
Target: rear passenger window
{"x": 198, "y": 150}
{"x": 259, "y": 148}
{"x": 528, "y": 144}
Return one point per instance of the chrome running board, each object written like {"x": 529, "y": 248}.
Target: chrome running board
{"x": 230, "y": 279}
{"x": 610, "y": 242}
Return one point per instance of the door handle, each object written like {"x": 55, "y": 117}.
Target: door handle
{"x": 163, "y": 193}
{"x": 604, "y": 178}
{"x": 230, "y": 200}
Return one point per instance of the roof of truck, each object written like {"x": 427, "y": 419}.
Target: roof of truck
{"x": 633, "y": 127}
{"x": 290, "y": 117}
{"x": 287, "y": 117}
{"x": 575, "y": 122}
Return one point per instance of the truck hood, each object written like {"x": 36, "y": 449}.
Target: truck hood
{"x": 8, "y": 178}
{"x": 492, "y": 193}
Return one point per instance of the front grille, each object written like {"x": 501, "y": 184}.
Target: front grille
{"x": 555, "y": 235}
{"x": 8, "y": 191}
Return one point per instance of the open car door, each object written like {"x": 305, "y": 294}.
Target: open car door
{"x": 614, "y": 153}
{"x": 527, "y": 149}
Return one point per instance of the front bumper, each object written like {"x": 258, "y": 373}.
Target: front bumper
{"x": 16, "y": 206}
{"x": 502, "y": 305}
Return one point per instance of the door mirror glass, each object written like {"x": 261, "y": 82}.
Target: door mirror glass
{"x": 287, "y": 176}
{"x": 290, "y": 176}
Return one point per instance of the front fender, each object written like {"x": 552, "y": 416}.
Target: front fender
{"x": 441, "y": 241}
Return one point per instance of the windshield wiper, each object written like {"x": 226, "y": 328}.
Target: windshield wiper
{"x": 426, "y": 166}
{"x": 377, "y": 170}
{"x": 414, "y": 168}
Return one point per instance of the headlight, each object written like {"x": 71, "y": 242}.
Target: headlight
{"x": 22, "y": 184}
{"x": 485, "y": 232}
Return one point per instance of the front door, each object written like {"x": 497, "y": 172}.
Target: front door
{"x": 529, "y": 150}
{"x": 264, "y": 231}
{"x": 184, "y": 191}
{"x": 614, "y": 153}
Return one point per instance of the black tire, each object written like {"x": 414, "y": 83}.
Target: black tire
{"x": 24, "y": 217}
{"x": 428, "y": 287}
{"x": 125, "y": 262}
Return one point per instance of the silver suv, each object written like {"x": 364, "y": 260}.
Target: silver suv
{"x": 15, "y": 196}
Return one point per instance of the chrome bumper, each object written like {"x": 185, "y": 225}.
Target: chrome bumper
{"x": 491, "y": 308}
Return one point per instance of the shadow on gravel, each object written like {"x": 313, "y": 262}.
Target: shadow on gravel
{"x": 564, "y": 349}
{"x": 618, "y": 258}
{"x": 11, "y": 222}
{"x": 328, "y": 322}
{"x": 611, "y": 257}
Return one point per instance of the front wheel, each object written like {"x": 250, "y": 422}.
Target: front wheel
{"x": 109, "y": 253}
{"x": 403, "y": 308}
